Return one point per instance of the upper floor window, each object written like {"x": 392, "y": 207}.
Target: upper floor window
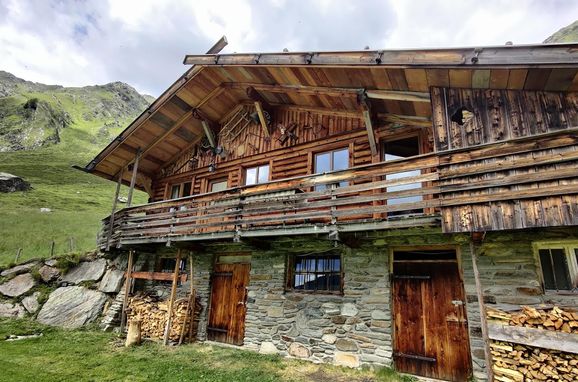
{"x": 399, "y": 149}
{"x": 559, "y": 265}
{"x": 256, "y": 175}
{"x": 180, "y": 190}
{"x": 331, "y": 161}
{"x": 315, "y": 273}
{"x": 218, "y": 185}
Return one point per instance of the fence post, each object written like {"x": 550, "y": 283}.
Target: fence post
{"x": 18, "y": 253}
{"x": 52, "y": 249}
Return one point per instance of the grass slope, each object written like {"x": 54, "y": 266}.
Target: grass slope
{"x": 92, "y": 355}
{"x": 78, "y": 201}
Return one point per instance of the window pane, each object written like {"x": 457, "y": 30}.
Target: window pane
{"x": 398, "y": 149}
{"x": 547, "y": 270}
{"x": 251, "y": 176}
{"x": 340, "y": 159}
{"x": 218, "y": 185}
{"x": 299, "y": 281}
{"x": 322, "y": 162}
{"x": 561, "y": 269}
{"x": 175, "y": 191}
{"x": 317, "y": 273}
{"x": 334, "y": 282}
{"x": 263, "y": 174}
{"x": 187, "y": 189}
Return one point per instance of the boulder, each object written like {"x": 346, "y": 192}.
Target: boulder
{"x": 345, "y": 345}
{"x": 298, "y": 350}
{"x": 86, "y": 271}
{"x": 12, "y": 183}
{"x": 112, "y": 281}
{"x": 48, "y": 273}
{"x": 18, "y": 285}
{"x": 18, "y": 269}
{"x": 11, "y": 310}
{"x": 72, "y": 307}
{"x": 268, "y": 348}
{"x": 31, "y": 302}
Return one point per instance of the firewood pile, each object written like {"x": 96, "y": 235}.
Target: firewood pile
{"x": 554, "y": 319}
{"x": 521, "y": 363}
{"x": 153, "y": 315}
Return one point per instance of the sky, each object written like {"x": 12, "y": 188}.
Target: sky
{"x": 143, "y": 42}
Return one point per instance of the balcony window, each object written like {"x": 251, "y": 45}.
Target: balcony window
{"x": 180, "y": 190}
{"x": 218, "y": 185}
{"x": 559, "y": 266}
{"x": 257, "y": 175}
{"x": 315, "y": 273}
{"x": 331, "y": 161}
{"x": 400, "y": 149}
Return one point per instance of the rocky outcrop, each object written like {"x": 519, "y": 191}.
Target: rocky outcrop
{"x": 11, "y": 310}
{"x": 72, "y": 307}
{"x": 18, "y": 269}
{"x": 31, "y": 303}
{"x": 18, "y": 285}
{"x": 86, "y": 271}
{"x": 12, "y": 183}
{"x": 48, "y": 273}
{"x": 112, "y": 281}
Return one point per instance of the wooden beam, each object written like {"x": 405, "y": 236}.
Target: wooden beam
{"x": 366, "y": 113}
{"x": 182, "y": 120}
{"x": 114, "y": 203}
{"x": 540, "y": 55}
{"x": 133, "y": 178}
{"x": 399, "y": 95}
{"x": 126, "y": 290}
{"x": 546, "y": 339}
{"x": 259, "y": 109}
{"x": 172, "y": 297}
{"x": 405, "y": 120}
{"x": 481, "y": 306}
{"x": 208, "y": 133}
{"x": 157, "y": 276}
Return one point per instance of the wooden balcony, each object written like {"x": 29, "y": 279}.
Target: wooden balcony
{"x": 488, "y": 188}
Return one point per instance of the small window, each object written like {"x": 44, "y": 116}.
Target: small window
{"x": 257, "y": 175}
{"x": 187, "y": 189}
{"x": 218, "y": 185}
{"x": 315, "y": 273}
{"x": 167, "y": 265}
{"x": 175, "y": 191}
{"x": 559, "y": 264}
{"x": 331, "y": 161}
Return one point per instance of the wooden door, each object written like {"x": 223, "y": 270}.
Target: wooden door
{"x": 431, "y": 329}
{"x": 228, "y": 303}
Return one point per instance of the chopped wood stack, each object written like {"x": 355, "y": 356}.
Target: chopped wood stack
{"x": 555, "y": 319}
{"x": 521, "y": 363}
{"x": 153, "y": 316}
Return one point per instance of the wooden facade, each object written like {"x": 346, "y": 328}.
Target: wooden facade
{"x": 252, "y": 149}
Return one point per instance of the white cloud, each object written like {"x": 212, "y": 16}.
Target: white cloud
{"x": 142, "y": 42}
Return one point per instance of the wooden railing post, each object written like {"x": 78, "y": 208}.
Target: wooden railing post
{"x": 133, "y": 178}
{"x": 114, "y": 203}
{"x": 126, "y": 289}
{"x": 172, "y": 297}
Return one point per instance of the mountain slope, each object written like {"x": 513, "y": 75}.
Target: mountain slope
{"x": 566, "y": 34}
{"x": 44, "y": 130}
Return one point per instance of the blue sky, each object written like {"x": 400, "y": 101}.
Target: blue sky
{"x": 143, "y": 42}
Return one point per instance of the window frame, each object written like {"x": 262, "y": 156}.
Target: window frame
{"x": 314, "y": 171}
{"x": 257, "y": 167}
{"x": 290, "y": 274}
{"x": 181, "y": 186}
{"x": 569, "y": 247}
{"x": 216, "y": 181}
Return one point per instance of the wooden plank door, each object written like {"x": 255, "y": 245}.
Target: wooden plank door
{"x": 228, "y": 303}
{"x": 431, "y": 330}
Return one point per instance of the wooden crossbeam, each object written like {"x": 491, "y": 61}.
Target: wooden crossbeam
{"x": 366, "y": 113}
{"x": 398, "y": 95}
{"x": 259, "y": 109}
{"x": 133, "y": 178}
{"x": 208, "y": 133}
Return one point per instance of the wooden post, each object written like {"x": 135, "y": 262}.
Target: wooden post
{"x": 133, "y": 178}
{"x": 114, "y": 202}
{"x": 194, "y": 299}
{"x": 126, "y": 290}
{"x": 172, "y": 298}
{"x": 483, "y": 318}
{"x": 18, "y": 253}
{"x": 52, "y": 249}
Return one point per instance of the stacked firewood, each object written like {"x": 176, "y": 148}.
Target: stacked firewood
{"x": 554, "y": 319}
{"x": 521, "y": 363}
{"x": 153, "y": 315}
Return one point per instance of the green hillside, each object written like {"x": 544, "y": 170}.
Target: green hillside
{"x": 44, "y": 130}
{"x": 566, "y": 34}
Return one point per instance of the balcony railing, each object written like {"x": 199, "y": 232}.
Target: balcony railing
{"x": 377, "y": 196}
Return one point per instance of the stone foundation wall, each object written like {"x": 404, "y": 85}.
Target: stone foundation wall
{"x": 352, "y": 329}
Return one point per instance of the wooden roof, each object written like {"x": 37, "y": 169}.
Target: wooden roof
{"x": 395, "y": 83}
